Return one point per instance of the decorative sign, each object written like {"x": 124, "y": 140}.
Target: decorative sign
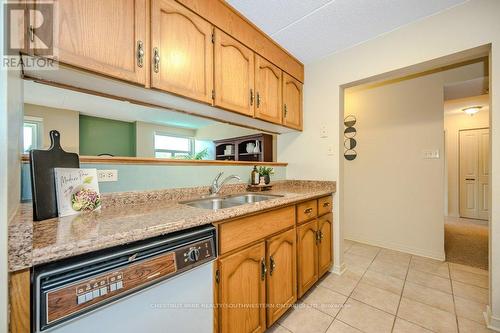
{"x": 350, "y": 143}
{"x": 350, "y": 154}
{"x": 349, "y": 133}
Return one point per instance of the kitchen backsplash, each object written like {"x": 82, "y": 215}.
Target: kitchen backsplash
{"x": 153, "y": 177}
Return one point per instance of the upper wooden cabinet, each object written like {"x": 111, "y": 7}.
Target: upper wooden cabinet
{"x": 102, "y": 36}
{"x": 243, "y": 291}
{"x": 267, "y": 90}
{"x": 182, "y": 51}
{"x": 282, "y": 277}
{"x": 292, "y": 102}
{"x": 226, "y": 18}
{"x": 234, "y": 74}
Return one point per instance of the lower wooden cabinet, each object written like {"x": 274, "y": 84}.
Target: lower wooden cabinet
{"x": 266, "y": 263}
{"x": 314, "y": 251}
{"x": 282, "y": 277}
{"x": 249, "y": 279}
{"x": 325, "y": 252}
{"x": 307, "y": 256}
{"x": 242, "y": 290}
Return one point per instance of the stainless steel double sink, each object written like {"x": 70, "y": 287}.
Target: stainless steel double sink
{"x": 234, "y": 200}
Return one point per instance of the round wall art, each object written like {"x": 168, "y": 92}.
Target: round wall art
{"x": 349, "y": 133}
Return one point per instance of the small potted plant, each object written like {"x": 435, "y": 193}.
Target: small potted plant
{"x": 266, "y": 172}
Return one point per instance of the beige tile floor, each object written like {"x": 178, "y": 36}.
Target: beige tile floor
{"x": 388, "y": 291}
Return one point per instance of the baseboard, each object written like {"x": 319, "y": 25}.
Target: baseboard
{"x": 338, "y": 269}
{"x": 397, "y": 247}
{"x": 493, "y": 323}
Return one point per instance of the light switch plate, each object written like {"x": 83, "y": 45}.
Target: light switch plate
{"x": 430, "y": 154}
{"x": 107, "y": 175}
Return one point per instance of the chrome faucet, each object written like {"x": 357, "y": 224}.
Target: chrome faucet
{"x": 216, "y": 186}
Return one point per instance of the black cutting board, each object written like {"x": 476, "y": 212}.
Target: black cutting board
{"x": 43, "y": 187}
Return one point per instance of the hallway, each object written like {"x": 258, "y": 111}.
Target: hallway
{"x": 466, "y": 241}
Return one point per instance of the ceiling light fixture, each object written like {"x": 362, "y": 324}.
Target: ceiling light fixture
{"x": 472, "y": 110}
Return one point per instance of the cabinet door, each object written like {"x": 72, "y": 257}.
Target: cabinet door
{"x": 102, "y": 36}
{"x": 292, "y": 102}
{"x": 242, "y": 291}
{"x": 282, "y": 280}
{"x": 268, "y": 91}
{"x": 234, "y": 74}
{"x": 182, "y": 51}
{"x": 307, "y": 256}
{"x": 325, "y": 255}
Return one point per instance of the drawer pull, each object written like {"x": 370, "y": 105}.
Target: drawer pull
{"x": 272, "y": 264}
{"x": 308, "y": 210}
{"x": 263, "y": 269}
{"x": 326, "y": 204}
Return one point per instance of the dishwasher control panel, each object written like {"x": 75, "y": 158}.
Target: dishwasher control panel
{"x": 70, "y": 299}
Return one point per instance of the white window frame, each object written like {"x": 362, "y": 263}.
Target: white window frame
{"x": 37, "y": 123}
{"x": 173, "y": 152}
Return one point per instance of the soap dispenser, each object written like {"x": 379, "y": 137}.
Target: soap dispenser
{"x": 255, "y": 177}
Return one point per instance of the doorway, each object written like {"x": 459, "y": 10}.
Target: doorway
{"x": 474, "y": 173}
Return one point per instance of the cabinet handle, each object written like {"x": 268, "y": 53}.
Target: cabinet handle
{"x": 251, "y": 96}
{"x": 140, "y": 53}
{"x": 318, "y": 239}
{"x": 263, "y": 269}
{"x": 156, "y": 60}
{"x": 308, "y": 211}
{"x": 258, "y": 99}
{"x": 272, "y": 263}
{"x": 320, "y": 236}
{"x": 326, "y": 204}
{"x": 31, "y": 32}
{"x": 285, "y": 111}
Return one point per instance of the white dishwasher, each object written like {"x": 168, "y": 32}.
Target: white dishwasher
{"x": 160, "y": 285}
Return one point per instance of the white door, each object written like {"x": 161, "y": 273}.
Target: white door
{"x": 474, "y": 173}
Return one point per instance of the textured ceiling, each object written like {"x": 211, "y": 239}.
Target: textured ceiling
{"x": 313, "y": 29}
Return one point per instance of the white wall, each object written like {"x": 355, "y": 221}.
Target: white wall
{"x": 393, "y": 197}
{"x": 472, "y": 24}
{"x": 453, "y": 123}
{"x": 11, "y": 114}
{"x": 67, "y": 122}
{"x": 3, "y": 189}
{"x": 145, "y": 136}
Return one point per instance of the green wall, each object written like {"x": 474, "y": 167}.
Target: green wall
{"x": 106, "y": 136}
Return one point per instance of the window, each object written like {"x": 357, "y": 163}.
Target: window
{"x": 168, "y": 146}
{"x": 32, "y": 134}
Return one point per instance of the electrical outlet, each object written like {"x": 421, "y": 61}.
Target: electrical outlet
{"x": 323, "y": 132}
{"x": 107, "y": 175}
{"x": 330, "y": 150}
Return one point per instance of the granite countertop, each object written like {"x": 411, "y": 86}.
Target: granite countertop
{"x": 131, "y": 216}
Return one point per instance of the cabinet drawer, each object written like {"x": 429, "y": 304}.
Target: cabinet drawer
{"x": 241, "y": 232}
{"x": 307, "y": 210}
{"x": 325, "y": 205}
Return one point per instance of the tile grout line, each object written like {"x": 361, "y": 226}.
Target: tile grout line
{"x": 453, "y": 297}
{"x": 348, "y": 297}
{"x": 401, "y": 296}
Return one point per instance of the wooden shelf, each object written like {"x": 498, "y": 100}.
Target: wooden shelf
{"x": 160, "y": 161}
{"x": 246, "y": 154}
{"x": 240, "y": 143}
